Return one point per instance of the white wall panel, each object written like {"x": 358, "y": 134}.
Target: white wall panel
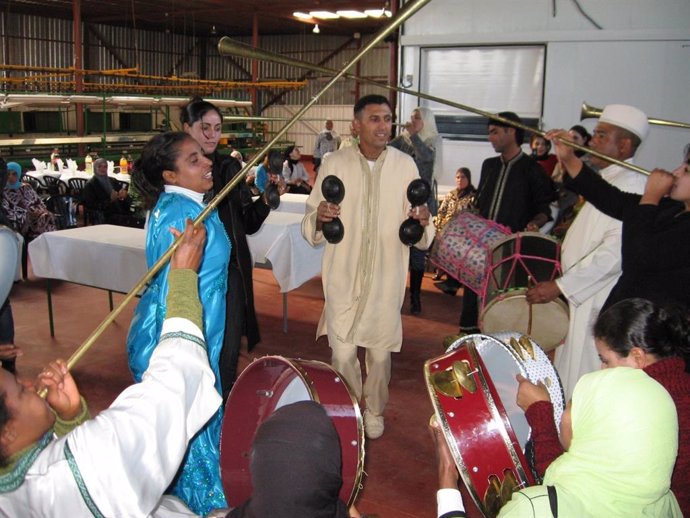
{"x": 642, "y": 57}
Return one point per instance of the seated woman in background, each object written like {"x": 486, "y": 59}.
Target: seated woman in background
{"x": 458, "y": 200}
{"x": 540, "y": 152}
{"x": 173, "y": 175}
{"x": 269, "y": 171}
{"x": 620, "y": 435}
{"x": 294, "y": 173}
{"x": 632, "y": 333}
{"x": 23, "y": 208}
{"x": 103, "y": 194}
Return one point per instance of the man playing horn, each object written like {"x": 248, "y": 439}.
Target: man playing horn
{"x": 55, "y": 461}
{"x": 591, "y": 253}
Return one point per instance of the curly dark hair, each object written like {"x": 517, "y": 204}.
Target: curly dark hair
{"x": 663, "y": 331}
{"x": 159, "y": 154}
{"x": 5, "y": 417}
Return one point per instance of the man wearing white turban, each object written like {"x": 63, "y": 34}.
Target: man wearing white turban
{"x": 591, "y": 252}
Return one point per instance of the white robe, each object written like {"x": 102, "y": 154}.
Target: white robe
{"x": 119, "y": 463}
{"x": 364, "y": 275}
{"x": 591, "y": 261}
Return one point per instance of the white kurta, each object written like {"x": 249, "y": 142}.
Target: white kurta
{"x": 364, "y": 275}
{"x": 119, "y": 463}
{"x": 591, "y": 261}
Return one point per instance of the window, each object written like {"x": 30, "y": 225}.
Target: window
{"x": 492, "y": 79}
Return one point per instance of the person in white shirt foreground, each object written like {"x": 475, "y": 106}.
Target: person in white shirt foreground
{"x": 58, "y": 462}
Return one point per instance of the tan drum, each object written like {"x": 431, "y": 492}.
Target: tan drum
{"x": 517, "y": 263}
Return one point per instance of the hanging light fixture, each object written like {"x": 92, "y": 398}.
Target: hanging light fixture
{"x": 316, "y": 29}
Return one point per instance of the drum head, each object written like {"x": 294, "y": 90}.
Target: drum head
{"x": 510, "y": 312}
{"x": 503, "y": 363}
{"x": 270, "y": 383}
{"x": 9, "y": 252}
{"x": 474, "y": 420}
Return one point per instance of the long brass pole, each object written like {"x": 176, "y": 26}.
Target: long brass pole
{"x": 400, "y": 18}
{"x": 227, "y": 46}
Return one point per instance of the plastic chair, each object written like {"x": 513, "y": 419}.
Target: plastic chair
{"x": 32, "y": 181}
{"x": 76, "y": 186}
{"x": 64, "y": 207}
{"x": 55, "y": 186}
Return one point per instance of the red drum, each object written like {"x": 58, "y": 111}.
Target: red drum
{"x": 463, "y": 248}
{"x": 473, "y": 390}
{"x": 517, "y": 263}
{"x": 270, "y": 383}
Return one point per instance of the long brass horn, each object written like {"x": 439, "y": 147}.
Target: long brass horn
{"x": 405, "y": 13}
{"x": 229, "y": 47}
{"x": 591, "y": 112}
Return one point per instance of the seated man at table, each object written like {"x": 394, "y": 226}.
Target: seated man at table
{"x": 57, "y": 462}
{"x": 104, "y": 198}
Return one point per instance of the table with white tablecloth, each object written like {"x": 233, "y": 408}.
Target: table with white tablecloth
{"x": 294, "y": 203}
{"x": 113, "y": 258}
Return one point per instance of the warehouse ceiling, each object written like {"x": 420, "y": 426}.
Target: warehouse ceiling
{"x": 212, "y": 18}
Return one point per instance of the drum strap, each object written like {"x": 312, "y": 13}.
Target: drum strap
{"x": 553, "y": 500}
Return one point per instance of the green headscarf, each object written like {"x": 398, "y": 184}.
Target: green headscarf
{"x": 624, "y": 446}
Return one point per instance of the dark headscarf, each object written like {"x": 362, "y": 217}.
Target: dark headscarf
{"x": 295, "y": 466}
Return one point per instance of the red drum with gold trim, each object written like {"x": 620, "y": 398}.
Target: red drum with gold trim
{"x": 269, "y": 383}
{"x": 473, "y": 390}
{"x": 463, "y": 248}
{"x": 517, "y": 263}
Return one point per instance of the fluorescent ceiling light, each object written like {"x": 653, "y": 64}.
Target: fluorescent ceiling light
{"x": 374, "y": 13}
{"x": 301, "y": 16}
{"x": 351, "y": 14}
{"x": 324, "y": 15}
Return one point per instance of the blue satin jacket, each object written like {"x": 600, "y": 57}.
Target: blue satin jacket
{"x": 198, "y": 482}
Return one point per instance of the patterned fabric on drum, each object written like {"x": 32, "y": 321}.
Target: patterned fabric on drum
{"x": 463, "y": 248}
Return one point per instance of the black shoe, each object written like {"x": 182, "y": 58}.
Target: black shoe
{"x": 445, "y": 288}
{"x": 415, "y": 304}
{"x": 437, "y": 276}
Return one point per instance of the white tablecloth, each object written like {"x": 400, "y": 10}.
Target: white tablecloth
{"x": 104, "y": 256}
{"x": 280, "y": 242}
{"x": 294, "y": 203}
{"x": 114, "y": 258}
{"x": 66, "y": 174}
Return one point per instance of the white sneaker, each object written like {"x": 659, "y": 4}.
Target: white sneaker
{"x": 373, "y": 425}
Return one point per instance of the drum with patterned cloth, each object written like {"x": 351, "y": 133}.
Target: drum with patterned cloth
{"x": 517, "y": 263}
{"x": 269, "y": 383}
{"x": 463, "y": 248}
{"x": 473, "y": 389}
